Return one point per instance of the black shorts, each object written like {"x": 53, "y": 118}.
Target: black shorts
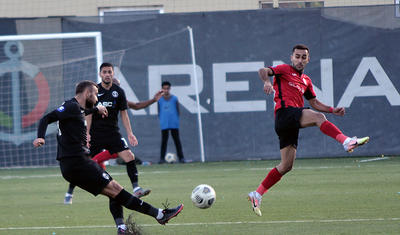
{"x": 113, "y": 142}
{"x": 85, "y": 173}
{"x": 287, "y": 125}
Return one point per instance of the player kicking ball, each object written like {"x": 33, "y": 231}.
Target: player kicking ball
{"x": 78, "y": 169}
{"x": 290, "y": 85}
{"x": 104, "y": 136}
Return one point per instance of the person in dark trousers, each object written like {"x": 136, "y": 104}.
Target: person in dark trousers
{"x": 168, "y": 112}
{"x": 76, "y": 165}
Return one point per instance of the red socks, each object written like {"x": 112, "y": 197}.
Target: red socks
{"x": 104, "y": 156}
{"x": 331, "y": 130}
{"x": 271, "y": 179}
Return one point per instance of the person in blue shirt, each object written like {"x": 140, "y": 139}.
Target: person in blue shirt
{"x": 168, "y": 113}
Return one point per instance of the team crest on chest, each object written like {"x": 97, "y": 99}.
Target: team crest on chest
{"x": 115, "y": 94}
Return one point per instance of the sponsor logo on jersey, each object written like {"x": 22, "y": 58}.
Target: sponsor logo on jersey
{"x": 115, "y": 94}
{"x": 107, "y": 104}
{"x": 61, "y": 109}
{"x": 298, "y": 87}
{"x": 106, "y": 176}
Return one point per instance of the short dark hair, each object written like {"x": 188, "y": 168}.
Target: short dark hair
{"x": 301, "y": 47}
{"x": 82, "y": 86}
{"x": 106, "y": 64}
{"x": 165, "y": 83}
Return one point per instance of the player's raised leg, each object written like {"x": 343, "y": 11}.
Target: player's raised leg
{"x": 103, "y": 156}
{"x": 116, "y": 191}
{"x": 313, "y": 118}
{"x": 132, "y": 171}
{"x": 99, "y": 159}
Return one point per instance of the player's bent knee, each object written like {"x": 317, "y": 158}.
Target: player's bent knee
{"x": 127, "y": 155}
{"x": 284, "y": 168}
{"x": 320, "y": 117}
{"x": 112, "y": 189}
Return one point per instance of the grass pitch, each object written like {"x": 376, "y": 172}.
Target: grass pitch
{"x": 319, "y": 196}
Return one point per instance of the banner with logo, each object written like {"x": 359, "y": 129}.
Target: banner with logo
{"x": 353, "y": 65}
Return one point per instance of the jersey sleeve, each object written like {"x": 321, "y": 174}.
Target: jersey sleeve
{"x": 309, "y": 93}
{"x": 122, "y": 103}
{"x": 279, "y": 69}
{"x": 91, "y": 111}
{"x": 65, "y": 111}
{"x": 44, "y": 122}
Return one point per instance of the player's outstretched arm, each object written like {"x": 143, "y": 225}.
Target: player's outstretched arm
{"x": 145, "y": 104}
{"x": 264, "y": 74}
{"x": 319, "y": 106}
{"x": 43, "y": 123}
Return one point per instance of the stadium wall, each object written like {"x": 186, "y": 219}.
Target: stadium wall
{"x": 353, "y": 64}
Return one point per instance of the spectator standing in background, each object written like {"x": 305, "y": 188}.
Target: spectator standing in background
{"x": 168, "y": 113}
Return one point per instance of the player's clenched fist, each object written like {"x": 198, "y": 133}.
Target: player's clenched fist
{"x": 38, "y": 142}
{"x": 102, "y": 111}
{"x": 339, "y": 111}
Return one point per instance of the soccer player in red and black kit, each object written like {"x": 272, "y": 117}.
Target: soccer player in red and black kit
{"x": 78, "y": 169}
{"x": 290, "y": 85}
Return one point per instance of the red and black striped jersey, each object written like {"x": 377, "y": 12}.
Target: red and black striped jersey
{"x": 290, "y": 86}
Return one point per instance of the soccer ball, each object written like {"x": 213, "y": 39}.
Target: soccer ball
{"x": 170, "y": 157}
{"x": 203, "y": 196}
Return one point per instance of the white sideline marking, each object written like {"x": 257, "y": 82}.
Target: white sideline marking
{"x": 375, "y": 159}
{"x": 215, "y": 223}
{"x": 7, "y": 177}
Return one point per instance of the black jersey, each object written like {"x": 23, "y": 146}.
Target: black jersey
{"x": 72, "y": 129}
{"x": 114, "y": 100}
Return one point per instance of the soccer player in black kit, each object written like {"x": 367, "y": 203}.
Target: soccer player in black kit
{"x": 104, "y": 131}
{"x": 78, "y": 169}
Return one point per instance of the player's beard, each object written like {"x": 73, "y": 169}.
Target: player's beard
{"x": 89, "y": 104}
{"x": 106, "y": 81}
{"x": 299, "y": 70}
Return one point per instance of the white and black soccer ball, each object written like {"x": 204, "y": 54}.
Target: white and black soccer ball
{"x": 203, "y": 196}
{"x": 170, "y": 157}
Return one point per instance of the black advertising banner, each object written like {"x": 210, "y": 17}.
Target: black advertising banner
{"x": 353, "y": 65}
